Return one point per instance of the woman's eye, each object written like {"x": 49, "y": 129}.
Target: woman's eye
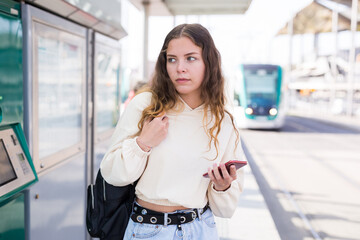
{"x": 191, "y": 58}
{"x": 171, "y": 60}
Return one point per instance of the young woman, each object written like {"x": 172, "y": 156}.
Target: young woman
{"x": 172, "y": 134}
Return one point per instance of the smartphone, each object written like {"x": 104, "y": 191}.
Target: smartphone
{"x": 238, "y": 164}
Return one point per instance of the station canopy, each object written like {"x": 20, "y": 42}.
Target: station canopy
{"x": 102, "y": 16}
{"x": 193, "y": 7}
{"x": 317, "y": 17}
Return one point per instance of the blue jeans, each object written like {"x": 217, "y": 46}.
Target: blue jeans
{"x": 204, "y": 229}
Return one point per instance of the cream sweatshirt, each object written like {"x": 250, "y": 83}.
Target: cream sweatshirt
{"x": 171, "y": 173}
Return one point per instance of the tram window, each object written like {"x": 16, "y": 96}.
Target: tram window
{"x": 260, "y": 81}
{"x": 107, "y": 87}
{"x": 7, "y": 172}
{"x": 60, "y": 70}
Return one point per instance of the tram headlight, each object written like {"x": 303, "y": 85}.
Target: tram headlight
{"x": 249, "y": 111}
{"x": 273, "y": 111}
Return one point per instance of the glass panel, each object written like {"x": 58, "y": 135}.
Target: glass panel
{"x": 107, "y": 87}
{"x": 60, "y": 70}
{"x": 260, "y": 81}
{"x": 11, "y": 74}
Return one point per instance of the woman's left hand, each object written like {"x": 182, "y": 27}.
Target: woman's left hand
{"x": 223, "y": 180}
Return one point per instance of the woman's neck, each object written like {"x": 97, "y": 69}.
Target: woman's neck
{"x": 191, "y": 101}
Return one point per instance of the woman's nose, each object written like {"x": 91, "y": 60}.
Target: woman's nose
{"x": 181, "y": 67}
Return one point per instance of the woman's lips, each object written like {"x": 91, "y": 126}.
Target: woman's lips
{"x": 182, "y": 80}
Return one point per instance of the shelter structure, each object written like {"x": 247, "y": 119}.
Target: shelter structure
{"x": 103, "y": 18}
{"x": 322, "y": 16}
{"x": 318, "y": 16}
{"x": 185, "y": 7}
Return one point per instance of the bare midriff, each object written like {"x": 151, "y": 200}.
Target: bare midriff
{"x": 159, "y": 208}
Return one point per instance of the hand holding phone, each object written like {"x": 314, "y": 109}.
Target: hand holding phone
{"x": 236, "y": 163}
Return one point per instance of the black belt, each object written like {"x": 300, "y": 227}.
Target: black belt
{"x": 144, "y": 215}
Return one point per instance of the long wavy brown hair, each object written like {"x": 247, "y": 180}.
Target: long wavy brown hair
{"x": 165, "y": 96}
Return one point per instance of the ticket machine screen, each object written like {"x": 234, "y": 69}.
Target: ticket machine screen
{"x": 7, "y": 172}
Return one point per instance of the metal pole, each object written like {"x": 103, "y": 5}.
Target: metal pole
{"x": 146, "y": 4}
{"x": 290, "y": 31}
{"x": 302, "y": 49}
{"x": 350, "y": 85}
{"x": 335, "y": 19}
{"x": 288, "y": 80}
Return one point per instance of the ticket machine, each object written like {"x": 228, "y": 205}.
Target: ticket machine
{"x": 17, "y": 172}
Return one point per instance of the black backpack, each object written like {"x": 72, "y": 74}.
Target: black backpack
{"x": 108, "y": 209}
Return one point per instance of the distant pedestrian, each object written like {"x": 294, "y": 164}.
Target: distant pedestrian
{"x": 138, "y": 86}
{"x": 172, "y": 134}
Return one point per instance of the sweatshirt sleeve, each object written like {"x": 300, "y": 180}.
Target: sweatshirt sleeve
{"x": 125, "y": 161}
{"x": 224, "y": 203}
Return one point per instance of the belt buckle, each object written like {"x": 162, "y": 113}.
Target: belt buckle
{"x": 193, "y": 215}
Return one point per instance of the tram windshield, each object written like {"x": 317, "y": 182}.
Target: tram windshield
{"x": 261, "y": 88}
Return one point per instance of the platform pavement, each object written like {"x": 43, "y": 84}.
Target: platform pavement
{"x": 252, "y": 218}
{"x": 343, "y": 120}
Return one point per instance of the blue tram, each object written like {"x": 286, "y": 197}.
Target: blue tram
{"x": 258, "y": 96}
